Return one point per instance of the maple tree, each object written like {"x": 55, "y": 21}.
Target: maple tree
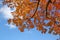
{"x": 33, "y": 14}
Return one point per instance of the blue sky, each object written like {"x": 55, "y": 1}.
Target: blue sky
{"x": 11, "y": 32}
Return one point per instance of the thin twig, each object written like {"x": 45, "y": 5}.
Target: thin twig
{"x": 35, "y": 10}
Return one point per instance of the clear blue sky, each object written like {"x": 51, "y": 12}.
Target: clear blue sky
{"x": 11, "y": 33}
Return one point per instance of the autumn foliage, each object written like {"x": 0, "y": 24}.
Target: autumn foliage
{"x": 35, "y": 13}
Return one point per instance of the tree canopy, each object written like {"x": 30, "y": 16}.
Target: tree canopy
{"x": 39, "y": 14}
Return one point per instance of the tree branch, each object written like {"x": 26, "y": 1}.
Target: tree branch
{"x": 35, "y": 10}
{"x": 47, "y": 6}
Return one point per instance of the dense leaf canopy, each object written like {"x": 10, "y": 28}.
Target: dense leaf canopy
{"x": 39, "y": 14}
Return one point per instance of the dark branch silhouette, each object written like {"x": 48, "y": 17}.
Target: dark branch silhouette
{"x": 35, "y": 10}
{"x": 47, "y": 6}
